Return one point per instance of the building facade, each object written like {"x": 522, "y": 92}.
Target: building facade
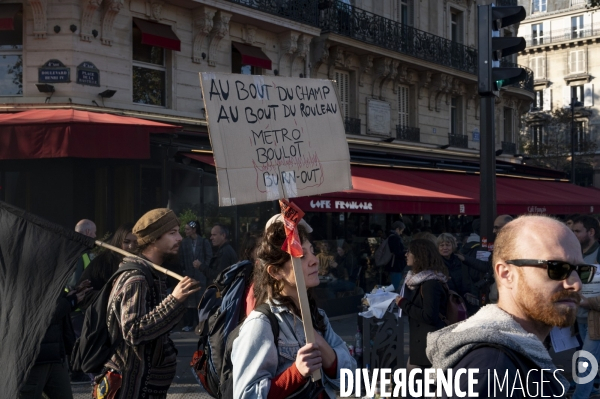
{"x": 562, "y": 45}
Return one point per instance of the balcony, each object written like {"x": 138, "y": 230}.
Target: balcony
{"x": 346, "y": 20}
{"x": 509, "y": 148}
{"x": 408, "y": 133}
{"x": 458, "y": 140}
{"x": 352, "y": 126}
{"x": 526, "y": 84}
{"x": 303, "y": 11}
{"x": 502, "y": 3}
{"x": 562, "y": 35}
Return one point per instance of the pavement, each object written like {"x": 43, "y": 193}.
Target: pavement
{"x": 184, "y": 385}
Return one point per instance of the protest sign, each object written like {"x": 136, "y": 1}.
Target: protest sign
{"x": 275, "y": 137}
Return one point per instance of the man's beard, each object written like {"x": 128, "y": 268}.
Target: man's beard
{"x": 586, "y": 243}
{"x": 170, "y": 259}
{"x": 545, "y": 311}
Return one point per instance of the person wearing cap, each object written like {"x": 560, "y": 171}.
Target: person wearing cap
{"x": 140, "y": 316}
{"x": 398, "y": 262}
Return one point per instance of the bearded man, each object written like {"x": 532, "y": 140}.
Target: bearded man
{"x": 539, "y": 270}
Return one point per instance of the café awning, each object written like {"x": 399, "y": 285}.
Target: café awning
{"x": 394, "y": 190}
{"x": 44, "y": 133}
{"x": 8, "y": 12}
{"x": 253, "y": 56}
{"x": 159, "y": 35}
{"x": 204, "y": 158}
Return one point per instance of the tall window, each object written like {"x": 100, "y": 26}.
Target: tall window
{"x": 577, "y": 93}
{"x": 580, "y": 136}
{"x": 403, "y": 12}
{"x": 456, "y": 115}
{"x": 538, "y": 6}
{"x": 539, "y": 100}
{"x": 508, "y": 125}
{"x": 11, "y": 56}
{"x": 456, "y": 31}
{"x": 577, "y": 61}
{"x": 537, "y": 66}
{"x": 576, "y": 27}
{"x": 238, "y": 67}
{"x": 537, "y": 34}
{"x": 403, "y": 105}
{"x": 342, "y": 83}
{"x": 149, "y": 72}
{"x": 537, "y": 138}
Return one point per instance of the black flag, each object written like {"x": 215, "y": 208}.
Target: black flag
{"x": 36, "y": 259}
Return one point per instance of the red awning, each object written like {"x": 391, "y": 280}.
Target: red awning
{"x": 80, "y": 134}
{"x": 159, "y": 35}
{"x": 253, "y": 56}
{"x": 7, "y": 15}
{"x": 204, "y": 158}
{"x": 380, "y": 190}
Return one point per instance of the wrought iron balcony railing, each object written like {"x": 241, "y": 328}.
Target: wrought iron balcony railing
{"x": 343, "y": 19}
{"x": 526, "y": 84}
{"x": 408, "y": 133}
{"x": 352, "y": 126}
{"x": 561, "y": 35}
{"x": 509, "y": 148}
{"x": 303, "y": 11}
{"x": 507, "y": 3}
{"x": 458, "y": 140}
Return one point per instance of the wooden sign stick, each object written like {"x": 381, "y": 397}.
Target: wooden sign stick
{"x": 309, "y": 331}
{"x": 157, "y": 267}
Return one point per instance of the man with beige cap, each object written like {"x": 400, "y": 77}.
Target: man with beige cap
{"x": 140, "y": 317}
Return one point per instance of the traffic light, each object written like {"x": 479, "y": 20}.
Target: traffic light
{"x": 492, "y": 47}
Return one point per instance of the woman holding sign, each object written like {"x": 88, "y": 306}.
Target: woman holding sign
{"x": 265, "y": 366}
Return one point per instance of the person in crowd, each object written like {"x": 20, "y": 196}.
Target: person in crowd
{"x": 347, "y": 261}
{"x": 473, "y": 241}
{"x": 194, "y": 254}
{"x": 500, "y": 222}
{"x": 587, "y": 231}
{"x": 425, "y": 235}
{"x": 460, "y": 278}
{"x": 106, "y": 263}
{"x": 396, "y": 266}
{"x": 49, "y": 376}
{"x": 140, "y": 316}
{"x": 425, "y": 299}
{"x": 326, "y": 259}
{"x": 250, "y": 244}
{"x": 539, "y": 270}
{"x": 223, "y": 253}
{"x": 569, "y": 220}
{"x": 264, "y": 369}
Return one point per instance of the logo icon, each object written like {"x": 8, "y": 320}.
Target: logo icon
{"x": 584, "y": 362}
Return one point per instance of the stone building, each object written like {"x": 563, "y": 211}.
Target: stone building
{"x": 562, "y": 42}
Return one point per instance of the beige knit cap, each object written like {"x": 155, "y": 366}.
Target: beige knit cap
{"x": 154, "y": 224}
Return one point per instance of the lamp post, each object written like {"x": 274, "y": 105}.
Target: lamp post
{"x": 574, "y": 103}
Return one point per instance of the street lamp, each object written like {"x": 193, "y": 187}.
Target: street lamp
{"x": 574, "y": 103}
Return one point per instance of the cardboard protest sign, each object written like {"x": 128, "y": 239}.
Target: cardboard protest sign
{"x": 275, "y": 137}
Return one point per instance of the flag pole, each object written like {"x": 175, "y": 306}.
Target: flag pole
{"x": 125, "y": 253}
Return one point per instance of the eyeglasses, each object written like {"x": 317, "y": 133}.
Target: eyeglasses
{"x": 559, "y": 270}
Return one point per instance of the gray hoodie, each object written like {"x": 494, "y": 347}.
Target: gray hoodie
{"x": 446, "y": 347}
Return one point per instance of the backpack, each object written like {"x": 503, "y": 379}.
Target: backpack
{"x": 456, "y": 309}
{"x": 94, "y": 347}
{"x": 383, "y": 255}
{"x": 219, "y": 312}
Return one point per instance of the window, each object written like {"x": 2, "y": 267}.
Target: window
{"x": 538, "y": 103}
{"x": 537, "y": 34}
{"x": 11, "y": 57}
{"x": 237, "y": 66}
{"x": 403, "y": 16}
{"x": 577, "y": 27}
{"x": 403, "y": 105}
{"x": 539, "y": 6}
{"x": 537, "y": 138}
{"x": 149, "y": 72}
{"x": 342, "y": 83}
{"x": 508, "y": 125}
{"x": 577, "y": 93}
{"x": 577, "y": 61}
{"x": 456, "y": 115}
{"x": 538, "y": 67}
{"x": 456, "y": 34}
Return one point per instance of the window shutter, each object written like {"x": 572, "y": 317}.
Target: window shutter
{"x": 342, "y": 80}
{"x": 543, "y": 67}
{"x": 403, "y": 105}
{"x": 588, "y": 94}
{"x": 566, "y": 96}
{"x": 547, "y": 106}
{"x": 546, "y": 28}
{"x": 587, "y": 23}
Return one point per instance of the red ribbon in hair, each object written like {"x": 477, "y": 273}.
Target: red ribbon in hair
{"x": 291, "y": 217}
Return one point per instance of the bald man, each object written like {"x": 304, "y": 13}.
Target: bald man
{"x": 500, "y": 222}
{"x": 535, "y": 294}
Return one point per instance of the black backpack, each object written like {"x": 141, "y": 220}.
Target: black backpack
{"x": 219, "y": 312}
{"x": 94, "y": 347}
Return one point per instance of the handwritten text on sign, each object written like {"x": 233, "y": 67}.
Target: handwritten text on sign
{"x": 275, "y": 137}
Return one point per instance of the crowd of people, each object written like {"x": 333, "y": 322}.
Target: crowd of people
{"x": 532, "y": 281}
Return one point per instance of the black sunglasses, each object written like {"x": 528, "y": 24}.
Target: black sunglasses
{"x": 558, "y": 269}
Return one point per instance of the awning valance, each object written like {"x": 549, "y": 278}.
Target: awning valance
{"x": 204, "y": 158}
{"x": 7, "y": 15}
{"x": 159, "y": 35}
{"x": 253, "y": 56}
{"x": 390, "y": 190}
{"x": 70, "y": 133}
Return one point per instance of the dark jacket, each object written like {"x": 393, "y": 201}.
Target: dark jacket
{"x": 397, "y": 248}
{"x": 424, "y": 316}
{"x": 59, "y": 338}
{"x": 222, "y": 257}
{"x": 99, "y": 271}
{"x": 495, "y": 360}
